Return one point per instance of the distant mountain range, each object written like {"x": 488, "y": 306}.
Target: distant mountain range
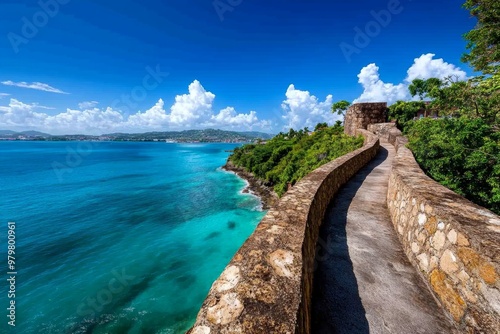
{"x": 24, "y": 133}
{"x": 208, "y": 135}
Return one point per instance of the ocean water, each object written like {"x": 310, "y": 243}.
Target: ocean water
{"x": 117, "y": 237}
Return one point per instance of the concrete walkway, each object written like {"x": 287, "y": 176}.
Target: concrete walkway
{"x": 364, "y": 283}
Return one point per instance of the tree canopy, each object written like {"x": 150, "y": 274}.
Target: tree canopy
{"x": 424, "y": 88}
{"x": 288, "y": 157}
{"x": 483, "y": 42}
{"x": 340, "y": 107}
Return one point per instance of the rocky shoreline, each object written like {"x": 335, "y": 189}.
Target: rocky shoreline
{"x": 255, "y": 185}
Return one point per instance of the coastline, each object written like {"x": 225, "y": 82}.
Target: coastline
{"x": 254, "y": 186}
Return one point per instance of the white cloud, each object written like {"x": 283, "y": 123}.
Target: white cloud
{"x": 34, "y": 85}
{"x": 193, "y": 107}
{"x": 38, "y": 106}
{"x": 192, "y": 110}
{"x": 229, "y": 118}
{"x": 2, "y": 95}
{"x": 87, "y": 104}
{"x": 424, "y": 67}
{"x": 18, "y": 114}
{"x": 154, "y": 118}
{"x": 92, "y": 121}
{"x": 303, "y": 109}
{"x": 375, "y": 90}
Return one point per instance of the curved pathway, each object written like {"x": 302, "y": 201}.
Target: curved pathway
{"x": 363, "y": 282}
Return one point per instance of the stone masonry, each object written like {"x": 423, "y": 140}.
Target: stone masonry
{"x": 453, "y": 243}
{"x": 267, "y": 286}
{"x": 360, "y": 115}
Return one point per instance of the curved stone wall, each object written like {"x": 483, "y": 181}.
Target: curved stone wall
{"x": 267, "y": 286}
{"x": 454, "y": 244}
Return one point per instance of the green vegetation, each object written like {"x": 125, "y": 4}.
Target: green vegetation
{"x": 483, "y": 42}
{"x": 340, "y": 107}
{"x": 462, "y": 154}
{"x": 461, "y": 149}
{"x": 404, "y": 111}
{"x": 288, "y": 157}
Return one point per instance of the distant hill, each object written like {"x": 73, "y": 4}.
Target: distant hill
{"x": 207, "y": 135}
{"x": 7, "y": 132}
{"x": 261, "y": 135}
{"x": 35, "y": 134}
{"x": 15, "y": 134}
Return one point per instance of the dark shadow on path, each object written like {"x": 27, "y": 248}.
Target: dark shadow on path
{"x": 336, "y": 304}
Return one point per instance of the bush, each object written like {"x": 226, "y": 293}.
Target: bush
{"x": 462, "y": 154}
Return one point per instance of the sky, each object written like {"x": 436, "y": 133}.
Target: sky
{"x": 104, "y": 66}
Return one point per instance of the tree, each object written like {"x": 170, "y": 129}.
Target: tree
{"x": 424, "y": 88}
{"x": 417, "y": 87}
{"x": 477, "y": 97}
{"x": 320, "y": 126}
{"x": 462, "y": 154}
{"x": 484, "y": 40}
{"x": 402, "y": 112}
{"x": 340, "y": 107}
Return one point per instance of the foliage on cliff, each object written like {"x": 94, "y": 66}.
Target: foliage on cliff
{"x": 288, "y": 157}
{"x": 462, "y": 154}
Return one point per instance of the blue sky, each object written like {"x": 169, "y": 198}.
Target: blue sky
{"x": 69, "y": 65}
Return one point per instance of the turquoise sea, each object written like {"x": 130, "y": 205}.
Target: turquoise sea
{"x": 116, "y": 237}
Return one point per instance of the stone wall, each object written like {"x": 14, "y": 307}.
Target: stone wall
{"x": 454, "y": 244}
{"x": 381, "y": 129}
{"x": 360, "y": 115}
{"x": 267, "y": 286}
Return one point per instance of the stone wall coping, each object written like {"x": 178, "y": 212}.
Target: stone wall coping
{"x": 267, "y": 286}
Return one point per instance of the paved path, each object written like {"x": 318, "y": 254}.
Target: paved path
{"x": 364, "y": 283}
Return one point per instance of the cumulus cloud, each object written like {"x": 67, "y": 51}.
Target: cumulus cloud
{"x": 191, "y": 110}
{"x": 19, "y": 115}
{"x": 93, "y": 121}
{"x": 87, "y": 104}
{"x": 154, "y": 118}
{"x": 230, "y": 118}
{"x": 375, "y": 90}
{"x": 34, "y": 85}
{"x": 303, "y": 109}
{"x": 193, "y": 107}
{"x": 424, "y": 67}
